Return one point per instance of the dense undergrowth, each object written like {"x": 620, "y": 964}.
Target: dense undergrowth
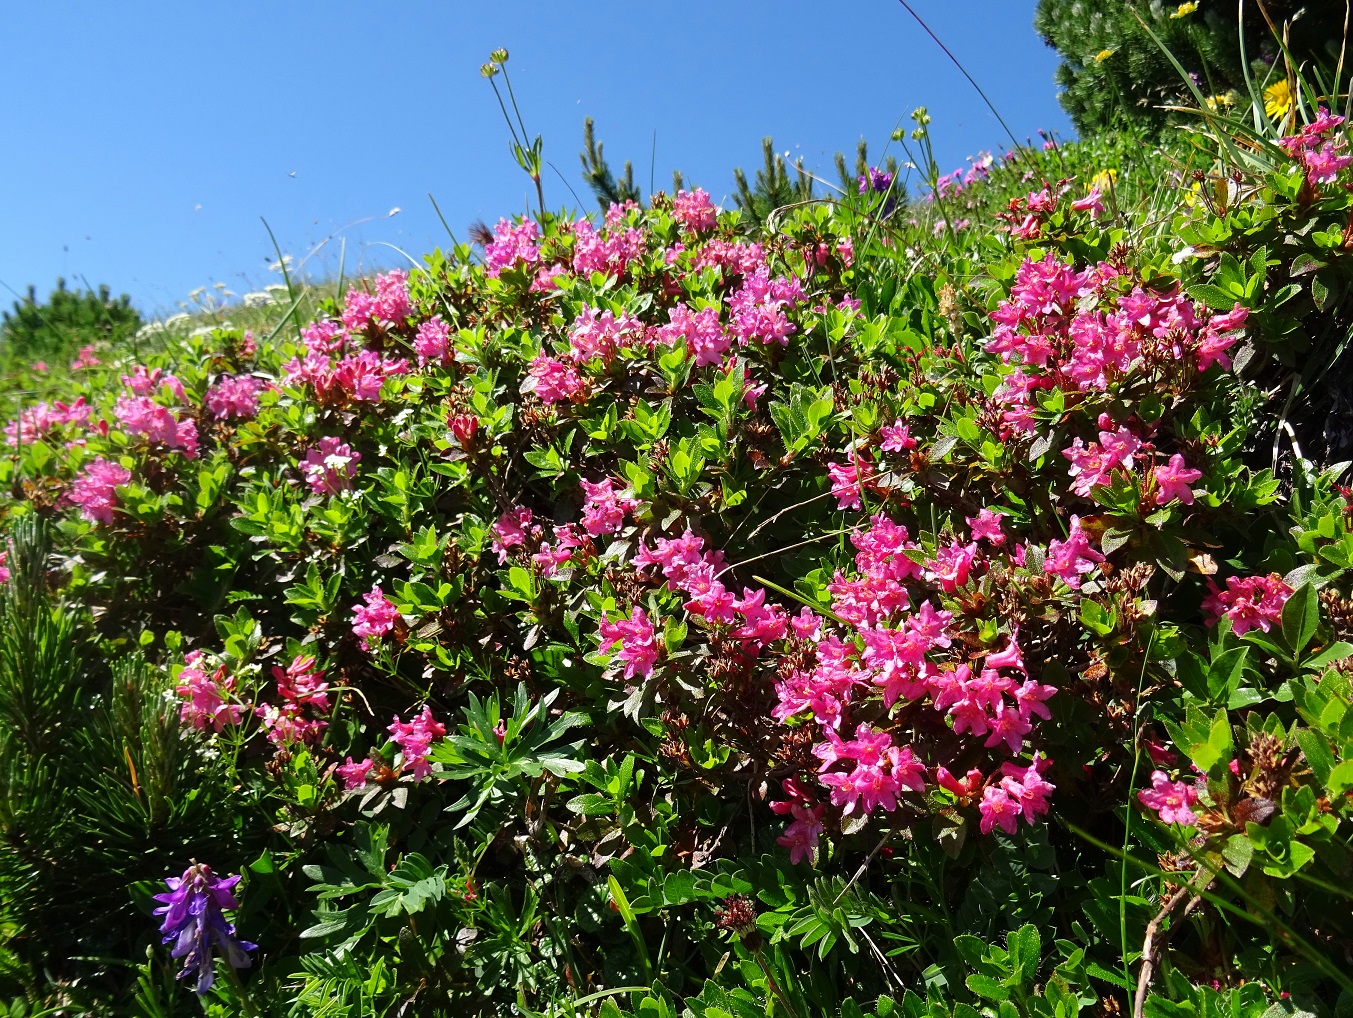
{"x": 940, "y": 610}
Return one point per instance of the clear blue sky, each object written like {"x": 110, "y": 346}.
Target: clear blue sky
{"x": 144, "y": 141}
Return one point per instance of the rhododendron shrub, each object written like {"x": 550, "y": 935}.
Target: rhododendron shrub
{"x": 886, "y": 588}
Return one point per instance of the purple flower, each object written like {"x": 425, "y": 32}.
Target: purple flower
{"x": 193, "y": 919}
{"x": 875, "y": 180}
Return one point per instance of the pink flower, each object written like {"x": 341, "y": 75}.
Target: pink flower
{"x": 998, "y": 809}
{"x": 605, "y": 510}
{"x": 694, "y": 210}
{"x": 330, "y": 467}
{"x": 1092, "y": 203}
{"x": 354, "y": 775}
{"x": 375, "y": 618}
{"x": 233, "y": 396}
{"x": 1073, "y": 558}
{"x": 432, "y": 341}
{"x": 286, "y": 725}
{"x": 206, "y": 699}
{"x": 302, "y": 684}
{"x": 986, "y": 526}
{"x": 1174, "y": 481}
{"x": 801, "y": 836}
{"x": 511, "y": 244}
{"x": 951, "y": 565}
{"x": 555, "y": 381}
{"x": 512, "y": 530}
{"x": 142, "y": 416}
{"x": 848, "y": 480}
{"x": 415, "y": 739}
{"x": 85, "y": 358}
{"x": 703, "y": 332}
{"x": 638, "y": 642}
{"x": 1026, "y": 786}
{"x": 897, "y": 437}
{"x": 145, "y": 381}
{"x": 1170, "y": 799}
{"x": 880, "y": 773}
{"x": 94, "y": 490}
{"x": 1252, "y": 602}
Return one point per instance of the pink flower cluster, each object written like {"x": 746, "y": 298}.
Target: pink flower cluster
{"x": 638, "y": 642}
{"x": 374, "y": 617}
{"x": 93, "y": 489}
{"x": 208, "y": 699}
{"x": 432, "y": 342}
{"x": 85, "y": 357}
{"x": 702, "y": 330}
{"x": 605, "y": 508}
{"x": 388, "y": 306}
{"x": 145, "y": 381}
{"x": 1315, "y": 148}
{"x": 512, "y": 243}
{"x": 694, "y": 210}
{"x": 512, "y": 530}
{"x": 330, "y": 467}
{"x": 610, "y": 254}
{"x": 233, "y": 396}
{"x": 1172, "y": 800}
{"x": 758, "y": 309}
{"x": 1250, "y": 602}
{"x": 140, "y": 415}
{"x": 801, "y": 836}
{"x": 1046, "y": 328}
{"x": 37, "y": 421}
{"x": 415, "y": 739}
{"x": 600, "y": 336}
{"x": 1073, "y": 558}
{"x": 339, "y": 376}
{"x": 911, "y": 657}
{"x": 555, "y": 381}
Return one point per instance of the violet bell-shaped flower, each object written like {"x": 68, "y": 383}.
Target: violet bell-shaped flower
{"x": 193, "y": 918}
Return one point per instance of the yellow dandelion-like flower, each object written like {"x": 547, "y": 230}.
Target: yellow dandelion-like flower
{"x": 1103, "y": 55}
{"x": 1278, "y": 99}
{"x": 1191, "y": 195}
{"x": 1221, "y": 102}
{"x": 1184, "y": 10}
{"x": 1104, "y": 179}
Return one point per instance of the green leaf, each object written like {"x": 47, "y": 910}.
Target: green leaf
{"x": 985, "y": 986}
{"x": 1301, "y": 617}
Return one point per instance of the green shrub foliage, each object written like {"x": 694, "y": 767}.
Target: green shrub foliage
{"x": 865, "y": 609}
{"x": 1114, "y": 75}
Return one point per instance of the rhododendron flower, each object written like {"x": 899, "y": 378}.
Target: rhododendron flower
{"x": 1323, "y": 157}
{"x": 512, "y": 530}
{"x": 374, "y": 618}
{"x": 1252, "y": 602}
{"x": 354, "y": 774}
{"x": 1027, "y": 787}
{"x": 897, "y": 437}
{"x": 950, "y": 565}
{"x": 1170, "y": 799}
{"x": 142, "y": 416}
{"x": 881, "y": 770}
{"x": 965, "y": 788}
{"x": 986, "y": 526}
{"x": 1173, "y": 481}
{"x": 638, "y": 642}
{"x": 302, "y": 683}
{"x": 94, "y": 489}
{"x": 145, "y": 381}
{"x": 605, "y": 510}
{"x": 758, "y": 308}
{"x": 694, "y": 210}
{"x": 554, "y": 381}
{"x": 432, "y": 341}
{"x": 847, "y": 480}
{"x": 1092, "y": 203}
{"x": 389, "y": 305}
{"x": 330, "y": 467}
{"x": 286, "y": 726}
{"x": 998, "y": 809}
{"x": 602, "y": 335}
{"x": 85, "y": 358}
{"x": 207, "y": 698}
{"x": 193, "y": 919}
{"x": 511, "y": 244}
{"x": 415, "y": 739}
{"x": 233, "y": 396}
{"x": 702, "y": 330}
{"x": 1073, "y": 558}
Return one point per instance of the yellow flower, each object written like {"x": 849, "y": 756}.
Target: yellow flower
{"x": 1278, "y": 99}
{"x": 1224, "y": 101}
{"x": 1191, "y": 195}
{"x": 1104, "y": 179}
{"x": 1103, "y": 55}
{"x": 1184, "y": 10}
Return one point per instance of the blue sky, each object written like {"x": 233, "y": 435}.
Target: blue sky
{"x": 144, "y": 141}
